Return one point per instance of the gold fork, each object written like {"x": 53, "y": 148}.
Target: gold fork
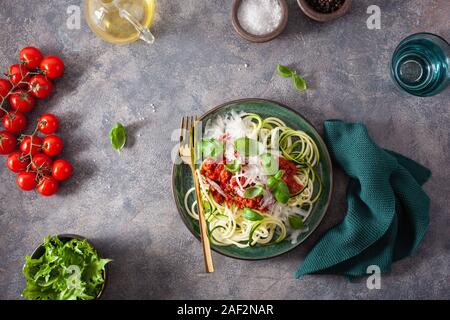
{"x": 187, "y": 154}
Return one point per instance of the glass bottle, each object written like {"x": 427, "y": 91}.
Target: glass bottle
{"x": 421, "y": 64}
{"x": 121, "y": 21}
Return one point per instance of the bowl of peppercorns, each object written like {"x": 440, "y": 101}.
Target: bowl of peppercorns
{"x": 325, "y": 10}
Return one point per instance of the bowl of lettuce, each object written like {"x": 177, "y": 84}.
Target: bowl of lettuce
{"x": 64, "y": 267}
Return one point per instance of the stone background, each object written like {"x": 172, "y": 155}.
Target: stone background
{"x": 123, "y": 202}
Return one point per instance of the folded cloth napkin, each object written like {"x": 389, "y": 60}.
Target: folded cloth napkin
{"x": 387, "y": 214}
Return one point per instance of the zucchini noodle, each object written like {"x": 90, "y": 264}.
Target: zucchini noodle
{"x": 226, "y": 222}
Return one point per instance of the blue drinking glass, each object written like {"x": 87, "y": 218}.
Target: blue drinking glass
{"x": 421, "y": 64}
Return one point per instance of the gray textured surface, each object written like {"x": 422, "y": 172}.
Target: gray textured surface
{"x": 124, "y": 203}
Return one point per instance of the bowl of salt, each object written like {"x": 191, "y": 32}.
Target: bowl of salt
{"x": 259, "y": 20}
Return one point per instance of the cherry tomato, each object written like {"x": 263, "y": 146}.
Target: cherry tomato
{"x": 31, "y": 57}
{"x": 17, "y": 162}
{"x": 52, "y": 66}
{"x": 62, "y": 170}
{"x": 34, "y": 143}
{"x": 48, "y": 186}
{"x": 26, "y": 181}
{"x": 52, "y": 145}
{"x": 41, "y": 163}
{"x": 22, "y": 101}
{"x": 7, "y": 142}
{"x": 40, "y": 86}
{"x": 18, "y": 73}
{"x": 48, "y": 123}
{"x": 15, "y": 122}
{"x": 5, "y": 87}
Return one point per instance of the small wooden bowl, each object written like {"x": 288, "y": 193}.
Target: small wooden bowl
{"x": 324, "y": 17}
{"x": 39, "y": 251}
{"x": 256, "y": 38}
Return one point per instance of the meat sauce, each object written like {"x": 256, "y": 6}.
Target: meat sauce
{"x": 227, "y": 182}
{"x": 290, "y": 170}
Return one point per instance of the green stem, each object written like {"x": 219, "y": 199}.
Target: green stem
{"x": 13, "y": 88}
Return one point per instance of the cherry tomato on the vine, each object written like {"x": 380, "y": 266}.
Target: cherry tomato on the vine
{"x": 52, "y": 145}
{"x": 22, "y": 101}
{"x": 18, "y": 73}
{"x": 8, "y": 142}
{"x": 48, "y": 186}
{"x": 14, "y": 122}
{"x": 32, "y": 144}
{"x": 41, "y": 163}
{"x": 62, "y": 170}
{"x": 31, "y": 57}
{"x": 5, "y": 88}
{"x": 40, "y": 86}
{"x": 26, "y": 180}
{"x": 48, "y": 123}
{"x": 52, "y": 66}
{"x": 17, "y": 162}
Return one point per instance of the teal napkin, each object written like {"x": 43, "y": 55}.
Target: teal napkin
{"x": 387, "y": 215}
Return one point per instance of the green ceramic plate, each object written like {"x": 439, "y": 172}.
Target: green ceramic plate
{"x": 182, "y": 178}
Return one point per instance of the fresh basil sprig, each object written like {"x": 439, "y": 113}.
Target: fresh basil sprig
{"x": 279, "y": 188}
{"x": 298, "y": 81}
{"x": 118, "y": 136}
{"x": 233, "y": 166}
{"x": 295, "y": 221}
{"x": 255, "y": 191}
{"x": 252, "y": 215}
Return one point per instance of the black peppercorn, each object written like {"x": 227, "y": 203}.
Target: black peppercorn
{"x": 326, "y": 6}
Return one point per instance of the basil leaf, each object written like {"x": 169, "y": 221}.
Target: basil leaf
{"x": 279, "y": 188}
{"x": 299, "y": 83}
{"x": 271, "y": 182}
{"x": 211, "y": 148}
{"x": 281, "y": 192}
{"x": 251, "y": 215}
{"x": 269, "y": 164}
{"x": 253, "y": 192}
{"x": 295, "y": 221}
{"x": 118, "y": 136}
{"x": 284, "y": 72}
{"x": 248, "y": 147}
{"x": 233, "y": 167}
{"x": 279, "y": 174}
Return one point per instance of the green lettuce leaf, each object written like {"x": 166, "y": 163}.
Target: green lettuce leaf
{"x": 69, "y": 270}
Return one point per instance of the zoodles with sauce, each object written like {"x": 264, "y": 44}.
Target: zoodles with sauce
{"x": 258, "y": 180}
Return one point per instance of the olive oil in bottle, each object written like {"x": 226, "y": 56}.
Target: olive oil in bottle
{"x": 121, "y": 21}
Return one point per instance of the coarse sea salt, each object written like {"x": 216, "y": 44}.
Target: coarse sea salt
{"x": 260, "y": 17}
